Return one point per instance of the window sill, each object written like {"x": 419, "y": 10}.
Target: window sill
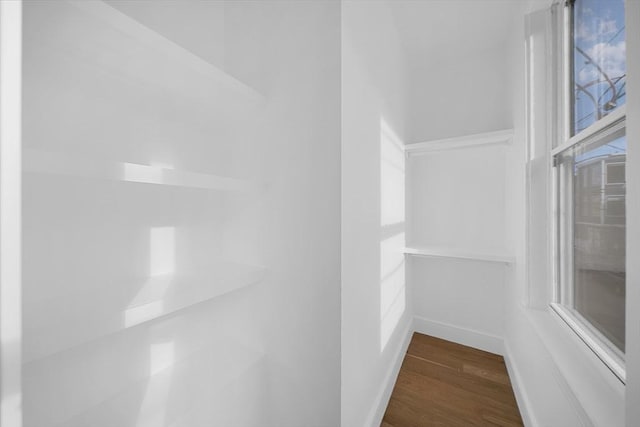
{"x": 611, "y": 361}
{"x": 593, "y": 387}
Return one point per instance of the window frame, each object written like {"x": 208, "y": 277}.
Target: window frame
{"x": 562, "y": 141}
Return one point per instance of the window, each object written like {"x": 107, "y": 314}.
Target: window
{"x": 589, "y": 157}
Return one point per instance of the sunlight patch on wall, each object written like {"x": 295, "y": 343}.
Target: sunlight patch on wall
{"x": 148, "y": 303}
{"x": 392, "y": 286}
{"x": 392, "y": 232}
{"x": 392, "y": 176}
{"x": 162, "y": 251}
{"x": 153, "y": 409}
{"x": 141, "y": 313}
{"x": 162, "y": 356}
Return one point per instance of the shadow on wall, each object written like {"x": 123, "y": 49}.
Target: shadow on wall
{"x": 392, "y": 233}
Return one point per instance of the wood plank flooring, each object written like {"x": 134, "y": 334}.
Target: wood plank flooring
{"x": 446, "y": 384}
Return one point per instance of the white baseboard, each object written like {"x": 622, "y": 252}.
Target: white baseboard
{"x": 384, "y": 395}
{"x": 464, "y": 336}
{"x": 522, "y": 399}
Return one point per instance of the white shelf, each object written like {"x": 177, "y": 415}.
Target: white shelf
{"x": 457, "y": 254}
{"x": 61, "y": 323}
{"x": 51, "y": 163}
{"x": 164, "y": 372}
{"x": 181, "y": 377}
{"x": 467, "y": 141}
{"x": 113, "y": 41}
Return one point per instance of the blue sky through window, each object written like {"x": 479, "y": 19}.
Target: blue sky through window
{"x": 599, "y": 60}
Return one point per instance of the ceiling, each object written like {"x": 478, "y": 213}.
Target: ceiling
{"x": 442, "y": 28}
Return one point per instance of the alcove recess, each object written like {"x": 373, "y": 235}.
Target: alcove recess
{"x": 457, "y": 236}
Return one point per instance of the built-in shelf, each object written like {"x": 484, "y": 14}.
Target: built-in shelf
{"x": 457, "y": 254}
{"x": 129, "y": 48}
{"x": 53, "y": 163}
{"x": 57, "y": 324}
{"x": 166, "y": 373}
{"x": 231, "y": 361}
{"x": 467, "y": 141}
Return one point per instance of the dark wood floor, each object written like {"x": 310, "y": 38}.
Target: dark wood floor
{"x": 446, "y": 384}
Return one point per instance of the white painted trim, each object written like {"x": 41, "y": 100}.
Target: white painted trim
{"x": 10, "y": 213}
{"x": 517, "y": 384}
{"x": 568, "y": 392}
{"x": 607, "y": 126}
{"x": 632, "y": 12}
{"x": 52, "y": 163}
{"x": 594, "y": 340}
{"x": 460, "y": 335}
{"x": 384, "y": 394}
{"x": 525, "y": 405}
{"x": 601, "y": 125}
{"x": 467, "y": 141}
{"x": 590, "y": 388}
{"x": 456, "y": 254}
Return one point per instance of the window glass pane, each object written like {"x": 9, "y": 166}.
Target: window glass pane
{"x": 599, "y": 64}
{"x": 596, "y": 172}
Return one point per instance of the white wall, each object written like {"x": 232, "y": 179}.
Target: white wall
{"x": 375, "y": 302}
{"x": 457, "y": 200}
{"x": 459, "y": 93}
{"x": 205, "y": 34}
{"x": 457, "y": 205}
{"x": 459, "y": 300}
{"x": 156, "y": 293}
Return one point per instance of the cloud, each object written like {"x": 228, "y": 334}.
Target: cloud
{"x": 596, "y": 29}
{"x": 607, "y": 28}
{"x": 584, "y": 32}
{"x": 611, "y": 57}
